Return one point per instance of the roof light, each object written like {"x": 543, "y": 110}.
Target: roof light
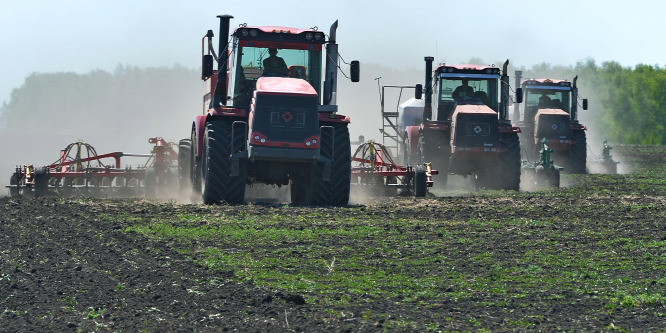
{"x": 253, "y": 33}
{"x": 244, "y": 32}
{"x": 319, "y": 36}
{"x": 308, "y": 36}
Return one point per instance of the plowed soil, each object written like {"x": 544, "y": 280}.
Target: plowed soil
{"x": 63, "y": 268}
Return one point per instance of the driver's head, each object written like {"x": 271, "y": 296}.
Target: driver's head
{"x": 272, "y": 51}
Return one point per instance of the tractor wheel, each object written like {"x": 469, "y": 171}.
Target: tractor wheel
{"x": 420, "y": 182}
{"x": 507, "y": 173}
{"x": 184, "y": 166}
{"x": 41, "y": 182}
{"x": 195, "y": 167}
{"x": 433, "y": 148}
{"x": 484, "y": 179}
{"x": 334, "y": 192}
{"x": 578, "y": 153}
{"x": 150, "y": 183}
{"x": 298, "y": 188}
{"x": 611, "y": 167}
{"x": 554, "y": 178}
{"x": 218, "y": 184}
{"x": 14, "y": 190}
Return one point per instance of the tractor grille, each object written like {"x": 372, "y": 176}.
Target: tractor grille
{"x": 476, "y": 130}
{"x": 552, "y": 126}
{"x": 285, "y": 118}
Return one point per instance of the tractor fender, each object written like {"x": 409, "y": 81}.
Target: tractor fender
{"x": 412, "y": 133}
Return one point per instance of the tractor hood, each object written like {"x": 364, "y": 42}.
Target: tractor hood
{"x": 284, "y": 86}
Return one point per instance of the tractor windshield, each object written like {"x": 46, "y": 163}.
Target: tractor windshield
{"x": 544, "y": 98}
{"x": 252, "y": 63}
{"x": 471, "y": 89}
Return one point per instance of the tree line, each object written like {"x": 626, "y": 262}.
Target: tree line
{"x": 627, "y": 103}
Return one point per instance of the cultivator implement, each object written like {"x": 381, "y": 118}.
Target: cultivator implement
{"x": 604, "y": 163}
{"x": 373, "y": 166}
{"x": 80, "y": 170}
{"x": 543, "y": 172}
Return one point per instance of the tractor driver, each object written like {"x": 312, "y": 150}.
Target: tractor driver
{"x": 463, "y": 91}
{"x": 274, "y": 65}
{"x": 544, "y": 101}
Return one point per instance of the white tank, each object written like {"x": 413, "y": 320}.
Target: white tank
{"x": 410, "y": 113}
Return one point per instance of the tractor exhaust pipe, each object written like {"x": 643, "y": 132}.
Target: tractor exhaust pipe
{"x": 220, "y": 94}
{"x": 427, "y": 109}
{"x": 574, "y": 101}
{"x": 519, "y": 97}
{"x": 330, "y": 81}
{"x": 504, "y": 89}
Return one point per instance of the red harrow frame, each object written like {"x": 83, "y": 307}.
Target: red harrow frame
{"x": 375, "y": 168}
{"x": 80, "y": 171}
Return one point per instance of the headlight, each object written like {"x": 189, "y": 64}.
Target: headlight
{"x": 308, "y": 36}
{"x": 253, "y": 33}
{"x": 319, "y": 36}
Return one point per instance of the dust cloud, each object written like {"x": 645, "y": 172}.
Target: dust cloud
{"x": 125, "y": 122}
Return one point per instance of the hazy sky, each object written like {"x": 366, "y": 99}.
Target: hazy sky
{"x": 75, "y": 35}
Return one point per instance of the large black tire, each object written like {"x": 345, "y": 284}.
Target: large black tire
{"x": 334, "y": 192}
{"x": 14, "y": 190}
{"x": 554, "y": 180}
{"x": 420, "y": 182}
{"x": 41, "y": 182}
{"x": 433, "y": 148}
{"x": 507, "y": 173}
{"x": 195, "y": 167}
{"x": 185, "y": 166}
{"x": 577, "y": 159}
{"x": 298, "y": 188}
{"x": 611, "y": 167}
{"x": 150, "y": 183}
{"x": 218, "y": 184}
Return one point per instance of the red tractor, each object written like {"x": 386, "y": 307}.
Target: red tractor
{"x": 465, "y": 129}
{"x": 550, "y": 111}
{"x": 268, "y": 118}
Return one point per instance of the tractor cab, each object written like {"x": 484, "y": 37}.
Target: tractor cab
{"x": 465, "y": 85}
{"x": 468, "y": 97}
{"x": 273, "y": 52}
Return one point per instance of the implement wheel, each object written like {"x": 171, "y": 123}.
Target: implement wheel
{"x": 14, "y": 190}
{"x": 41, "y": 182}
{"x": 420, "y": 181}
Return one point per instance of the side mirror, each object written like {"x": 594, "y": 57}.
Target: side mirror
{"x": 519, "y": 95}
{"x": 207, "y": 66}
{"x": 584, "y": 103}
{"x": 418, "y": 91}
{"x": 355, "y": 70}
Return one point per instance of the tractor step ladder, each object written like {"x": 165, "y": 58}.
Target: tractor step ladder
{"x": 390, "y": 136}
